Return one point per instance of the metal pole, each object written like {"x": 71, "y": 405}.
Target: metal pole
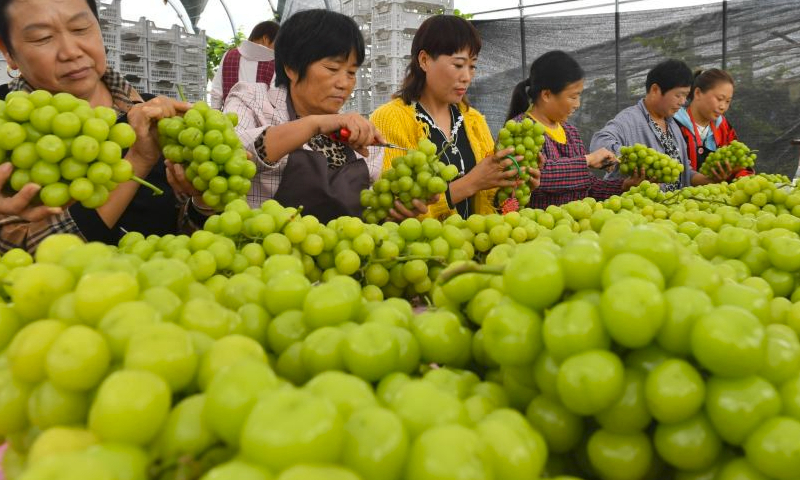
{"x": 617, "y": 65}
{"x": 230, "y": 17}
{"x": 522, "y": 42}
{"x": 183, "y": 15}
{"x": 724, "y": 34}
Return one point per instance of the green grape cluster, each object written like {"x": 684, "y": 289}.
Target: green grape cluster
{"x": 657, "y": 165}
{"x": 60, "y": 142}
{"x": 206, "y": 140}
{"x": 419, "y": 174}
{"x": 737, "y": 154}
{"x": 527, "y": 138}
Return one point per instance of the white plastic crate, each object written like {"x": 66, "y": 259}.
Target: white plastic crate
{"x": 163, "y": 35}
{"x": 192, "y": 74}
{"x": 166, "y": 89}
{"x": 364, "y": 77}
{"x": 133, "y": 67}
{"x": 389, "y": 70}
{"x": 192, "y": 49}
{"x": 112, "y": 34}
{"x": 4, "y": 78}
{"x": 162, "y": 72}
{"x": 356, "y": 8}
{"x": 360, "y": 101}
{"x": 134, "y": 30}
{"x": 399, "y": 16}
{"x": 162, "y": 52}
{"x": 140, "y": 84}
{"x": 113, "y": 59}
{"x": 382, "y": 94}
{"x": 136, "y": 48}
{"x": 391, "y": 43}
{"x": 194, "y": 92}
{"x": 110, "y": 11}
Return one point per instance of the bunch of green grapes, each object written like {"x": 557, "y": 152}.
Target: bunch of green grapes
{"x": 417, "y": 174}
{"x": 527, "y": 138}
{"x": 737, "y": 154}
{"x": 217, "y": 162}
{"x": 60, "y": 142}
{"x": 657, "y": 165}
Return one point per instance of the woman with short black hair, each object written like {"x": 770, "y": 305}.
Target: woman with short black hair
{"x": 58, "y": 47}
{"x": 549, "y": 96}
{"x": 432, "y": 104}
{"x": 287, "y": 126}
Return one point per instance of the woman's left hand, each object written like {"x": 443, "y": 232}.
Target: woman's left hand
{"x": 400, "y": 212}
{"x": 722, "y": 172}
{"x": 144, "y": 117}
{"x": 176, "y": 177}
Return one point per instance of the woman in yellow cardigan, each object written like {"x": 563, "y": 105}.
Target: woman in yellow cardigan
{"x": 432, "y": 104}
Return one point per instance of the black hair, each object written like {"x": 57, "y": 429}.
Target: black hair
{"x": 311, "y": 35}
{"x": 669, "y": 74}
{"x": 5, "y": 22}
{"x": 705, "y": 80}
{"x": 267, "y": 29}
{"x": 438, "y": 35}
{"x": 553, "y": 71}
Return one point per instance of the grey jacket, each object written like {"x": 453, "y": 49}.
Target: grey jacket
{"x": 630, "y": 126}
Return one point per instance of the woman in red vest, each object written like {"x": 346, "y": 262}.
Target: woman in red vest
{"x": 703, "y": 123}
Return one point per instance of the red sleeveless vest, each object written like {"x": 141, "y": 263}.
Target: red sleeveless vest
{"x": 230, "y": 71}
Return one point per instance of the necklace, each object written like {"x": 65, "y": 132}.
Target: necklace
{"x": 423, "y": 115}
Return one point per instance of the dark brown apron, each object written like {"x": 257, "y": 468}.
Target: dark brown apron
{"x": 323, "y": 192}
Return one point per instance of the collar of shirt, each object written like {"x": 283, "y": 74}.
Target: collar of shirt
{"x": 255, "y": 52}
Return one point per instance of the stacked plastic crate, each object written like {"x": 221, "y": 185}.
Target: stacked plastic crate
{"x": 360, "y": 101}
{"x": 192, "y": 64}
{"x": 153, "y": 59}
{"x": 133, "y": 53}
{"x": 392, "y": 30}
{"x": 163, "y": 45}
{"x": 4, "y": 78}
{"x": 111, "y": 26}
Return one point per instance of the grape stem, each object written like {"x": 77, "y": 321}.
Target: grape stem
{"x": 448, "y": 275}
{"x": 145, "y": 183}
{"x": 409, "y": 258}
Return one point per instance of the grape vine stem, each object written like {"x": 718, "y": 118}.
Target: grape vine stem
{"x": 451, "y": 273}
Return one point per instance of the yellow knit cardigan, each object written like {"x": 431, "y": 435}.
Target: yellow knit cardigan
{"x": 398, "y": 123}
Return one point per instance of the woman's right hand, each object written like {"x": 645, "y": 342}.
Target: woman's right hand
{"x": 20, "y": 204}
{"x": 494, "y": 171}
{"x": 362, "y": 132}
{"x": 637, "y": 177}
{"x": 601, "y": 159}
{"x": 143, "y": 117}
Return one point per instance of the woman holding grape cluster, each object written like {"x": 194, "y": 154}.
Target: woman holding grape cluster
{"x": 549, "y": 96}
{"x": 432, "y": 104}
{"x": 703, "y": 123}
{"x": 58, "y": 47}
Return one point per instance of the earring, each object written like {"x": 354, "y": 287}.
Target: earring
{"x": 10, "y": 72}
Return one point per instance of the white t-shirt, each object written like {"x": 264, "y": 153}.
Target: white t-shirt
{"x": 252, "y": 53}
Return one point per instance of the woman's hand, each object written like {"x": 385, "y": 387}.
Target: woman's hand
{"x": 721, "y": 172}
{"x": 362, "y": 132}
{"x": 601, "y": 159}
{"x": 20, "y": 204}
{"x": 176, "y": 177}
{"x": 495, "y": 171}
{"x": 144, "y": 117}
{"x": 636, "y": 178}
{"x": 400, "y": 212}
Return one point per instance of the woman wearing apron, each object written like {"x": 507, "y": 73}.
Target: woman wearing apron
{"x": 287, "y": 127}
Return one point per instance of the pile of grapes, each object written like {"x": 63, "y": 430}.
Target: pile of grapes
{"x": 217, "y": 163}
{"x": 649, "y": 336}
{"x": 419, "y": 174}
{"x": 527, "y": 138}
{"x": 72, "y": 150}
{"x": 658, "y": 166}
{"x": 737, "y": 154}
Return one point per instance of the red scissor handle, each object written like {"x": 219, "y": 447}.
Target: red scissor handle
{"x": 343, "y": 135}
